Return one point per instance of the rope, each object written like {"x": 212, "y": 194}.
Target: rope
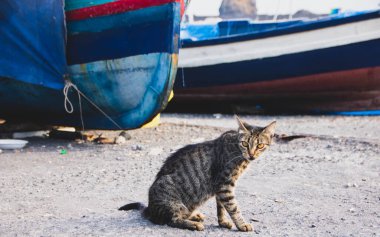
{"x": 69, "y": 106}
{"x": 67, "y": 103}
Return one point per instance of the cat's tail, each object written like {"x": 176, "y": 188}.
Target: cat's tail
{"x": 137, "y": 206}
{"x": 133, "y": 206}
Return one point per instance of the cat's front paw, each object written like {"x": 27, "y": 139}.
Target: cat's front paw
{"x": 225, "y": 224}
{"x": 198, "y": 226}
{"x": 245, "y": 227}
{"x": 198, "y": 217}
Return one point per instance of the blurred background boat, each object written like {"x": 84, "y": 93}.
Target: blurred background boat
{"x": 120, "y": 54}
{"x": 301, "y": 62}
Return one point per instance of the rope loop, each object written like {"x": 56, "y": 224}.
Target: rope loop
{"x": 70, "y": 108}
{"x": 67, "y": 103}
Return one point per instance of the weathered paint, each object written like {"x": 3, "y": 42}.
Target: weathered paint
{"x": 32, "y": 41}
{"x": 113, "y": 8}
{"x": 117, "y": 41}
{"x": 132, "y": 88}
{"x": 133, "y": 84}
{"x": 73, "y": 5}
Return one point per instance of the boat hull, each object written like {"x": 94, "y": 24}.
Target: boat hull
{"x": 351, "y": 90}
{"x": 121, "y": 55}
{"x": 313, "y": 69}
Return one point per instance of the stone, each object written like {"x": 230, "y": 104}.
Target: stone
{"x": 137, "y": 148}
{"x": 230, "y": 9}
{"x": 120, "y": 140}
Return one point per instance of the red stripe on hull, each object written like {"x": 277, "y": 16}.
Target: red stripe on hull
{"x": 351, "y": 90}
{"x": 114, "y": 8}
{"x": 182, "y": 7}
{"x": 351, "y": 80}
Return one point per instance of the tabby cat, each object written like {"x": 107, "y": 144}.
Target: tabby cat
{"x": 195, "y": 173}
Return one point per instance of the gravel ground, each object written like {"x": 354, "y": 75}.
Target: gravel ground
{"x": 324, "y": 185}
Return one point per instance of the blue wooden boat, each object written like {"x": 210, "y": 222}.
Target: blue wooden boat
{"x": 329, "y": 65}
{"x": 120, "y": 54}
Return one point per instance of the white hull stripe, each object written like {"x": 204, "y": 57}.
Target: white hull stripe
{"x": 280, "y": 45}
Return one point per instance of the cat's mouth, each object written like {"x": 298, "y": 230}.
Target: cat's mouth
{"x": 251, "y": 157}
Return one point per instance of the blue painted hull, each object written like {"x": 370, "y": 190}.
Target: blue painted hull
{"x": 282, "y": 67}
{"x": 43, "y": 105}
{"x": 124, "y": 63}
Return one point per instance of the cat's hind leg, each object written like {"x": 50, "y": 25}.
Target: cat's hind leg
{"x": 180, "y": 219}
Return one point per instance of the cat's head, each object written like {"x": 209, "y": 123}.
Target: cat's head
{"x": 254, "y": 140}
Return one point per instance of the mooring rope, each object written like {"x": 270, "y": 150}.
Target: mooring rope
{"x": 69, "y": 106}
{"x": 67, "y": 102}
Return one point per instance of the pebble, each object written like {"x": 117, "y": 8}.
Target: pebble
{"x": 126, "y": 135}
{"x": 120, "y": 140}
{"x": 123, "y": 137}
{"x": 137, "y": 148}
{"x": 348, "y": 185}
{"x": 352, "y": 210}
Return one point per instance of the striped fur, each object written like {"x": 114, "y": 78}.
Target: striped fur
{"x": 198, "y": 172}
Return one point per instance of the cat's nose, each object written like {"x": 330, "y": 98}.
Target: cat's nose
{"x": 252, "y": 156}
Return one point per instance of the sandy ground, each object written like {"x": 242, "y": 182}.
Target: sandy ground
{"x": 325, "y": 185}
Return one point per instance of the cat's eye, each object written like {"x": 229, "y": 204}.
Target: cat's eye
{"x": 260, "y": 146}
{"x": 245, "y": 144}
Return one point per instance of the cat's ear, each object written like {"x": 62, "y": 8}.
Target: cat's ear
{"x": 270, "y": 128}
{"x": 243, "y": 126}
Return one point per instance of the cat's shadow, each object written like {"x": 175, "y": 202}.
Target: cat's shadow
{"x": 124, "y": 224}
